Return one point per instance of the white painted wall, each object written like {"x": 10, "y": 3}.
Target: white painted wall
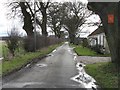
{"x": 101, "y": 41}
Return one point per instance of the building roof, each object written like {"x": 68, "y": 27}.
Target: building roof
{"x": 97, "y": 31}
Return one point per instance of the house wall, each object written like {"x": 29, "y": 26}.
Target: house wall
{"x": 100, "y": 40}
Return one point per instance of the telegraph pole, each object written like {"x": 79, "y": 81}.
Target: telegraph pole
{"x": 34, "y": 25}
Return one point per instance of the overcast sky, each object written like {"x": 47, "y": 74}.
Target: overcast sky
{"x": 7, "y": 24}
{"x": 3, "y": 20}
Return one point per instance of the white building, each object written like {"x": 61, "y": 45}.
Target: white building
{"x": 98, "y": 38}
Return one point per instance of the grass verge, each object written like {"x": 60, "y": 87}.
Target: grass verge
{"x": 105, "y": 74}
{"x": 83, "y": 51}
{"x": 3, "y": 49}
{"x": 11, "y": 65}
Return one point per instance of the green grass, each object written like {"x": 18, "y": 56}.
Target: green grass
{"x": 17, "y": 62}
{"x": 83, "y": 51}
{"x": 3, "y": 49}
{"x": 0, "y": 48}
{"x": 104, "y": 73}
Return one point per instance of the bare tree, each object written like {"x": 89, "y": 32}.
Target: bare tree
{"x": 20, "y": 9}
{"x": 75, "y": 15}
{"x": 55, "y": 18}
{"x": 26, "y": 11}
{"x": 28, "y": 24}
{"x": 42, "y": 7}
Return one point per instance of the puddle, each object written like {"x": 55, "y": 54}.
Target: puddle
{"x": 49, "y": 55}
{"x": 69, "y": 50}
{"x": 20, "y": 84}
{"x": 84, "y": 78}
{"x": 41, "y": 65}
{"x": 31, "y": 83}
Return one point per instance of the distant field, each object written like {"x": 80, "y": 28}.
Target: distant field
{"x": 0, "y": 49}
{"x": 3, "y": 49}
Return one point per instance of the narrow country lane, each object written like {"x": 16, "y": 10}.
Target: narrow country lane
{"x": 54, "y": 71}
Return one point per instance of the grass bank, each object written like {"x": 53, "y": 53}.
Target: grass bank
{"x": 83, "y": 51}
{"x": 16, "y": 63}
{"x": 3, "y": 49}
{"x": 105, "y": 74}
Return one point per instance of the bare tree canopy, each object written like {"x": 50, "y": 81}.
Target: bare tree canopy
{"x": 75, "y": 15}
{"x": 69, "y": 15}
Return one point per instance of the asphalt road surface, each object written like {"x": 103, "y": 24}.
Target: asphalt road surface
{"x": 54, "y": 71}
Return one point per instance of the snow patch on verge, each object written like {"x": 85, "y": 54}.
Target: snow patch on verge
{"x": 75, "y": 56}
{"x": 84, "y": 78}
{"x": 53, "y": 51}
{"x": 1, "y": 58}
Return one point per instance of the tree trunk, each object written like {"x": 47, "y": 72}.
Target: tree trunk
{"x": 111, "y": 30}
{"x": 118, "y": 45}
{"x": 118, "y": 31}
{"x": 44, "y": 23}
{"x": 72, "y": 37}
{"x": 58, "y": 33}
{"x": 28, "y": 25}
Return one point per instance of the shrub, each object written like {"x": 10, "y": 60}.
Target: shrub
{"x": 98, "y": 48}
{"x": 41, "y": 42}
{"x": 29, "y": 45}
{"x": 13, "y": 40}
{"x": 85, "y": 43}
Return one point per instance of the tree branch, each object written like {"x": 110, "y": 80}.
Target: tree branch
{"x": 30, "y": 9}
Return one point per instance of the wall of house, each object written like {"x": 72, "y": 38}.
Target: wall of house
{"x": 100, "y": 40}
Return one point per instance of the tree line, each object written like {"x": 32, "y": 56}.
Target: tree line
{"x": 67, "y": 15}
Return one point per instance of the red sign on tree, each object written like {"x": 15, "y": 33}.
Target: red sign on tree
{"x": 110, "y": 18}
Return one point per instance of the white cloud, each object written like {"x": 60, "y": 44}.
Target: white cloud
{"x": 3, "y": 19}
{"x": 7, "y": 24}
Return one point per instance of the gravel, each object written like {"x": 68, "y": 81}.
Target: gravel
{"x": 92, "y": 60}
